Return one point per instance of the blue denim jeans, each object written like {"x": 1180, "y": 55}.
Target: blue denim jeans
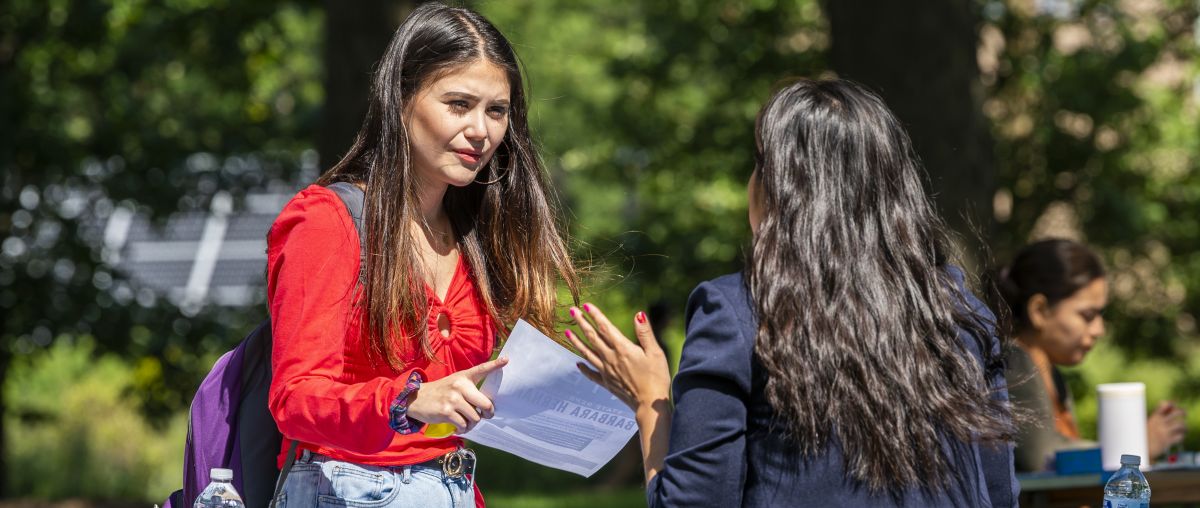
{"x": 319, "y": 481}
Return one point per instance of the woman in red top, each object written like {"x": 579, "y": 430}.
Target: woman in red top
{"x": 460, "y": 238}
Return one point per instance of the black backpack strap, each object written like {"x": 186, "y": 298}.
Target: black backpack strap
{"x": 287, "y": 468}
{"x": 354, "y": 197}
{"x": 259, "y": 437}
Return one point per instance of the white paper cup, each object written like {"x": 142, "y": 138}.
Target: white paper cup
{"x": 1122, "y": 422}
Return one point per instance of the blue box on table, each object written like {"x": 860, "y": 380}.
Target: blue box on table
{"x": 1077, "y": 461}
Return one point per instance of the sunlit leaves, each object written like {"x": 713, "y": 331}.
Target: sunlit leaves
{"x": 646, "y": 111}
{"x": 1098, "y": 110}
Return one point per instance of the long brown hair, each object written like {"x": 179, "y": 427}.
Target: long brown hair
{"x": 505, "y": 222}
{"x": 859, "y": 314}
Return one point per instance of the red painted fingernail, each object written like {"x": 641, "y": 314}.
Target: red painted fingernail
{"x": 567, "y": 333}
{"x": 572, "y": 311}
{"x": 641, "y": 317}
{"x": 587, "y": 308}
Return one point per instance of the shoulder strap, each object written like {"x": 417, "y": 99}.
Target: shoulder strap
{"x": 354, "y": 197}
{"x": 287, "y": 468}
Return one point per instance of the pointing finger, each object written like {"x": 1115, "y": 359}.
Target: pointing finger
{"x": 478, "y": 372}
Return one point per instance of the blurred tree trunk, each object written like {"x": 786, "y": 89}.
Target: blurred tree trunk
{"x": 920, "y": 55}
{"x": 355, "y": 38}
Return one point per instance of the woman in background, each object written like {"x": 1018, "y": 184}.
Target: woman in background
{"x": 848, "y": 365}
{"x": 1055, "y": 291}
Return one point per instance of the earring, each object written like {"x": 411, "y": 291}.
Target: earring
{"x": 491, "y": 169}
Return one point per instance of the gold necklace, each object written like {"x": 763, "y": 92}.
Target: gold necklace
{"x": 439, "y": 239}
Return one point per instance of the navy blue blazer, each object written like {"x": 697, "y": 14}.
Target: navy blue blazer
{"x": 724, "y": 453}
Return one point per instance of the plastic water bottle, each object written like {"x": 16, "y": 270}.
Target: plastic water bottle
{"x": 220, "y": 493}
{"x": 1128, "y": 487}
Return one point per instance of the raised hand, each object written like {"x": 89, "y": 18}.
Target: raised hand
{"x": 455, "y": 399}
{"x": 1165, "y": 427}
{"x": 635, "y": 373}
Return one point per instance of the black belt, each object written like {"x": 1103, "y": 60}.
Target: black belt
{"x": 455, "y": 464}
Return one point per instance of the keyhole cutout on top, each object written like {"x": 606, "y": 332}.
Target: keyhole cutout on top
{"x": 443, "y": 324}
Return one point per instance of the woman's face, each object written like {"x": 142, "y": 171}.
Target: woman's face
{"x": 456, "y": 123}
{"x": 1067, "y": 330}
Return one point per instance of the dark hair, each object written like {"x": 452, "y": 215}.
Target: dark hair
{"x": 858, "y": 311}
{"x": 1055, "y": 268}
{"x": 505, "y": 222}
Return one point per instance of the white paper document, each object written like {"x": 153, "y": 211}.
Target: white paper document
{"x": 547, "y": 412}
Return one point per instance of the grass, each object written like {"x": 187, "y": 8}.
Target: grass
{"x": 625, "y": 498}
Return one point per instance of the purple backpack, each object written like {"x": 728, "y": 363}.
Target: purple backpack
{"x": 230, "y": 425}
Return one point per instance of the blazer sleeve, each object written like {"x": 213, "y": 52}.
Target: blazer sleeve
{"x": 997, "y": 458}
{"x": 312, "y": 272}
{"x": 706, "y": 464}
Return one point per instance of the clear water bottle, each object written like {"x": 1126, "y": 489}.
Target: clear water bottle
{"x": 220, "y": 493}
{"x": 1128, "y": 487}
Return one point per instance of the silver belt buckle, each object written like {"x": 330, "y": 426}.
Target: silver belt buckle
{"x": 456, "y": 463}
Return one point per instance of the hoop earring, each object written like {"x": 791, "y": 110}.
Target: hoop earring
{"x": 491, "y": 167}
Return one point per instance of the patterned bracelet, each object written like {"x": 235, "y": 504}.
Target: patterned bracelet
{"x": 399, "y": 421}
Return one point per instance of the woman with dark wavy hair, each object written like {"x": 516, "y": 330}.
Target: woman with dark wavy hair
{"x": 848, "y": 365}
{"x": 371, "y": 343}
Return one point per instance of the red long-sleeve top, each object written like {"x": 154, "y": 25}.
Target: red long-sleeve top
{"x": 325, "y": 392}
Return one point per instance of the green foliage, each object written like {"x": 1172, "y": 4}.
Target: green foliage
{"x": 627, "y": 498}
{"x": 74, "y": 430}
{"x": 147, "y": 106}
{"x": 1097, "y": 114}
{"x": 1164, "y": 380}
{"x": 1097, "y": 126}
{"x": 646, "y": 113}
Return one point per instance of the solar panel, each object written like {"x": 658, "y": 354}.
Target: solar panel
{"x": 197, "y": 258}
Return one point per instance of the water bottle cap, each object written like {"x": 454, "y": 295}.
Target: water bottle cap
{"x": 1131, "y": 460}
{"x": 227, "y": 474}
